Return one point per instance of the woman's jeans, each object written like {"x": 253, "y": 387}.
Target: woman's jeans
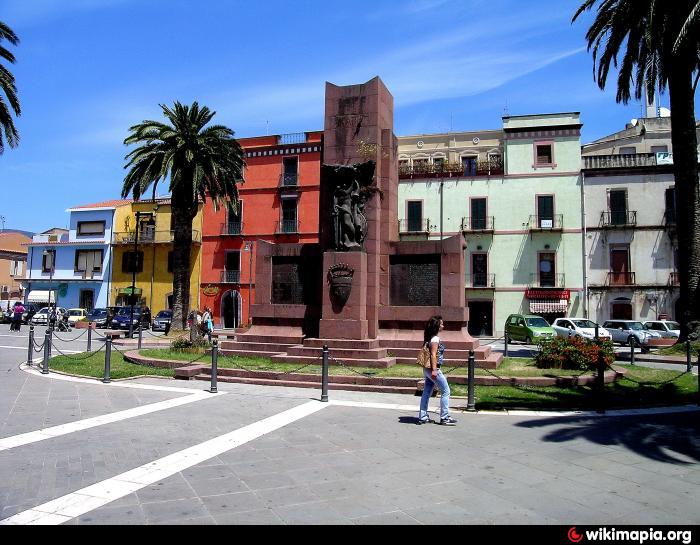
{"x": 441, "y": 382}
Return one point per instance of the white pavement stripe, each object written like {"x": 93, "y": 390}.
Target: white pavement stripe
{"x": 71, "y": 427}
{"x": 94, "y": 496}
{"x": 25, "y": 349}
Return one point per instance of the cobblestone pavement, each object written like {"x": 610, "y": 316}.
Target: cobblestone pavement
{"x": 155, "y": 451}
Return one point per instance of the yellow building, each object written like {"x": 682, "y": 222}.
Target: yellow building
{"x": 154, "y": 277}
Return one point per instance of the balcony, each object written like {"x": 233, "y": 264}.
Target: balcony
{"x": 287, "y": 227}
{"x": 232, "y": 228}
{"x": 618, "y": 219}
{"x": 674, "y": 279}
{"x": 631, "y": 160}
{"x": 230, "y": 277}
{"x": 291, "y": 138}
{"x": 551, "y": 223}
{"x": 452, "y": 170}
{"x": 480, "y": 224}
{"x": 413, "y": 227}
{"x": 547, "y": 280}
{"x": 149, "y": 236}
{"x": 289, "y": 180}
{"x": 620, "y": 279}
{"x": 481, "y": 280}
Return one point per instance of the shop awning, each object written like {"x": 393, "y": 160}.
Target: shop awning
{"x": 41, "y": 296}
{"x": 545, "y": 307}
{"x": 127, "y": 291}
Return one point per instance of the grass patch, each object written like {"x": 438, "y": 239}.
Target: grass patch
{"x": 94, "y": 366}
{"x": 678, "y": 349}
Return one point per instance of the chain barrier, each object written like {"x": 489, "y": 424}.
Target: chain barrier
{"x": 265, "y": 369}
{"x": 69, "y": 340}
{"x": 674, "y": 379}
{"x": 153, "y": 334}
{"x": 367, "y": 374}
{"x": 86, "y": 356}
{"x": 38, "y": 347}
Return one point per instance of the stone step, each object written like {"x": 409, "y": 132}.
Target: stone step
{"x": 339, "y": 353}
{"x": 447, "y": 362}
{"x": 365, "y": 344}
{"x": 251, "y": 346}
{"x": 480, "y": 353}
{"x": 417, "y": 343}
{"x": 271, "y": 339}
{"x": 382, "y": 363}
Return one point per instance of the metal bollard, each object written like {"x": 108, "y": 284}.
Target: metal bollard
{"x": 214, "y": 365}
{"x": 324, "y": 375}
{"x": 47, "y": 352}
{"x": 698, "y": 364}
{"x": 600, "y": 382}
{"x": 108, "y": 360}
{"x": 631, "y": 351}
{"x": 688, "y": 356}
{"x": 140, "y": 335}
{"x": 89, "y": 346}
{"x": 505, "y": 353}
{"x": 30, "y": 351}
{"x": 596, "y": 332}
{"x": 471, "y": 405}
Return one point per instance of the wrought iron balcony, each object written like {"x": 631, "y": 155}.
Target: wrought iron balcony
{"x": 289, "y": 180}
{"x": 629, "y": 160}
{"x": 230, "y": 277}
{"x": 287, "y": 227}
{"x": 291, "y": 138}
{"x": 407, "y": 226}
{"x": 452, "y": 170}
{"x": 674, "y": 279}
{"x": 549, "y": 223}
{"x": 618, "y": 218}
{"x": 481, "y": 280}
{"x": 149, "y": 236}
{"x": 232, "y": 228}
{"x": 478, "y": 223}
{"x": 547, "y": 280}
{"x": 620, "y": 279}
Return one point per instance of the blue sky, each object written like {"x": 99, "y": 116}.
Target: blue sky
{"x": 89, "y": 69}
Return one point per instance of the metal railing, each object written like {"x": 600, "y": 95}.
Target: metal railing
{"x": 414, "y": 226}
{"x": 549, "y": 223}
{"x": 289, "y": 180}
{"x": 149, "y": 236}
{"x": 620, "y": 278}
{"x": 230, "y": 277}
{"x": 547, "y": 280}
{"x": 618, "y": 218}
{"x": 232, "y": 228}
{"x": 287, "y": 227}
{"x": 620, "y": 161}
{"x": 478, "y": 223}
{"x": 481, "y": 280}
{"x": 436, "y": 170}
{"x": 291, "y": 138}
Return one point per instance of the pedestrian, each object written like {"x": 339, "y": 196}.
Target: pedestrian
{"x": 207, "y": 322}
{"x": 433, "y": 375}
{"x": 17, "y": 313}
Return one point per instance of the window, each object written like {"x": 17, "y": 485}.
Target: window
{"x": 233, "y": 261}
{"x": 291, "y": 168}
{"x": 88, "y": 261}
{"x": 545, "y": 211}
{"x": 48, "y": 261}
{"x": 438, "y": 162}
{"x": 546, "y": 270}
{"x": 628, "y": 150}
{"x": 618, "y": 206}
{"x": 16, "y": 268}
{"x": 469, "y": 166}
{"x": 659, "y": 149}
{"x": 670, "y": 205}
{"x": 544, "y": 153}
{"x": 170, "y": 261}
{"x": 289, "y": 216}
{"x": 91, "y": 228}
{"x": 132, "y": 262}
{"x": 478, "y": 212}
{"x": 414, "y": 216}
{"x": 479, "y": 270}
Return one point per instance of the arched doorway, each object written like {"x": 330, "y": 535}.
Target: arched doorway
{"x": 231, "y": 309}
{"x": 621, "y": 309}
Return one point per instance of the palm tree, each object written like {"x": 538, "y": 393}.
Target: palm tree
{"x": 198, "y": 161}
{"x": 9, "y": 89}
{"x": 659, "y": 43}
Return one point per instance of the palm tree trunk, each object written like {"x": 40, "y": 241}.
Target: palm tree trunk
{"x": 182, "y": 247}
{"x": 685, "y": 168}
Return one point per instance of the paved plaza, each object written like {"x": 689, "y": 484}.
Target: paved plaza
{"x": 157, "y": 451}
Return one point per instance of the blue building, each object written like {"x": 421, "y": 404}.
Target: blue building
{"x": 73, "y": 268}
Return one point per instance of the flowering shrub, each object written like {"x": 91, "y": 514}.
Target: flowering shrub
{"x": 183, "y": 344}
{"x": 573, "y": 353}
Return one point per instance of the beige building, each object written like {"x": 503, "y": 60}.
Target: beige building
{"x": 13, "y": 264}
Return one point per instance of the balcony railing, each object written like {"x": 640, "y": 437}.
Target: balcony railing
{"x": 481, "y": 280}
{"x": 230, "y": 277}
{"x": 674, "y": 279}
{"x": 620, "y": 278}
{"x": 618, "y": 218}
{"x": 550, "y": 223}
{"x": 289, "y": 180}
{"x": 232, "y": 228}
{"x": 620, "y": 161}
{"x": 547, "y": 280}
{"x": 478, "y": 223}
{"x": 149, "y": 236}
{"x": 452, "y": 170}
{"x": 413, "y": 226}
{"x": 291, "y": 138}
{"x": 287, "y": 227}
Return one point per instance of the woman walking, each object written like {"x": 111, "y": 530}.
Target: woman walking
{"x": 207, "y": 323}
{"x": 17, "y": 313}
{"x": 433, "y": 375}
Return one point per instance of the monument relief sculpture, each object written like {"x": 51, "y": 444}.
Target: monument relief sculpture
{"x": 352, "y": 187}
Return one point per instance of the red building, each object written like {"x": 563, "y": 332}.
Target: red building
{"x": 279, "y": 203}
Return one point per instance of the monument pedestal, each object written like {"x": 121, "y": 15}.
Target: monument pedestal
{"x": 349, "y": 320}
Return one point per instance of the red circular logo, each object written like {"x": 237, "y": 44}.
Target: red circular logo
{"x": 574, "y": 536}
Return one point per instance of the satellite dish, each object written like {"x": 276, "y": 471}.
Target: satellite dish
{"x": 634, "y": 122}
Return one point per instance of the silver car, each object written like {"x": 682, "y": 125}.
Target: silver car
{"x": 627, "y": 332}
{"x": 579, "y": 327}
{"x": 666, "y": 328}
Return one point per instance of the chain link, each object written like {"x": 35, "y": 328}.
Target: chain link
{"x": 266, "y": 369}
{"x": 367, "y": 374}
{"x": 69, "y": 340}
{"x": 86, "y": 356}
{"x": 674, "y": 379}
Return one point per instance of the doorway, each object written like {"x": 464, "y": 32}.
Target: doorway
{"x": 231, "y": 309}
{"x": 87, "y": 299}
{"x": 480, "y": 318}
{"x": 621, "y": 309}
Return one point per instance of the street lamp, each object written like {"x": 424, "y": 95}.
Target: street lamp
{"x": 49, "y": 257}
{"x": 249, "y": 248}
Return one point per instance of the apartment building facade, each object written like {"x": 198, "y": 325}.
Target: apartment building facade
{"x": 13, "y": 265}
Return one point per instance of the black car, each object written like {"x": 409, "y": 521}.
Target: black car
{"x": 101, "y": 317}
{"x": 30, "y": 309}
{"x": 162, "y": 320}
{"x": 122, "y": 318}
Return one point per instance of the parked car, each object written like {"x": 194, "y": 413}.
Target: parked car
{"x": 122, "y": 318}
{"x": 577, "y": 327}
{"x": 75, "y": 315}
{"x": 30, "y": 309}
{"x": 101, "y": 317}
{"x": 162, "y": 320}
{"x": 630, "y": 331}
{"x": 6, "y": 311}
{"x": 42, "y": 315}
{"x": 527, "y": 328}
{"x": 666, "y": 328}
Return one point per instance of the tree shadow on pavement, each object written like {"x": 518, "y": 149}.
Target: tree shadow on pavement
{"x": 657, "y": 437}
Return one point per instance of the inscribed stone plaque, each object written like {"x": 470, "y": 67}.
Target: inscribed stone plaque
{"x": 287, "y": 284}
{"x": 415, "y": 280}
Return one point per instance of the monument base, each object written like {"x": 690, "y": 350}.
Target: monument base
{"x": 346, "y": 320}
